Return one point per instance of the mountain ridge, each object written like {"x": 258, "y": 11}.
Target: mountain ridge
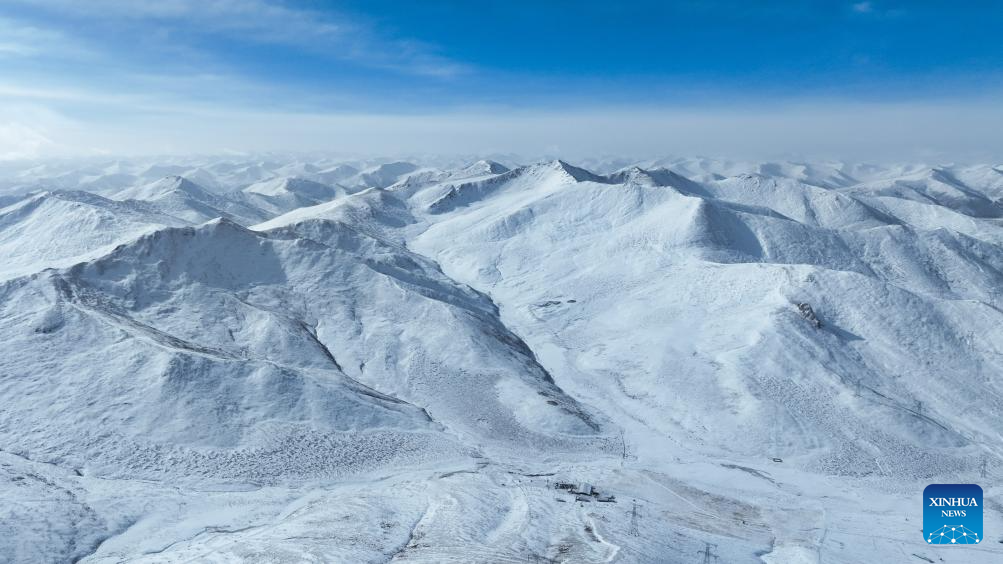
{"x": 404, "y": 362}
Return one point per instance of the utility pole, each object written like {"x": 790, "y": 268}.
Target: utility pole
{"x": 708, "y": 553}
{"x": 623, "y": 443}
{"x": 634, "y": 531}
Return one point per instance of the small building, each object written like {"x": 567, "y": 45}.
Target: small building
{"x": 809, "y": 314}
{"x": 584, "y": 488}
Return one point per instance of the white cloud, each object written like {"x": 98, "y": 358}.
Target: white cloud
{"x": 262, "y": 21}
{"x": 17, "y": 49}
{"x": 23, "y": 40}
{"x": 20, "y": 141}
{"x": 863, "y": 7}
{"x": 26, "y": 131}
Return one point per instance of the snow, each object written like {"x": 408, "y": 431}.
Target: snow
{"x": 371, "y": 360}
{"x": 180, "y": 197}
{"x": 54, "y": 229}
{"x": 281, "y": 195}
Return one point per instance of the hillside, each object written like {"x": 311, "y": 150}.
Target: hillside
{"x": 771, "y": 360}
{"x": 54, "y": 229}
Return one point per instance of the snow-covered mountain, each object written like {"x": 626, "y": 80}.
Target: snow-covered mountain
{"x": 382, "y": 175}
{"x": 180, "y": 197}
{"x": 53, "y": 229}
{"x": 280, "y": 195}
{"x": 371, "y": 360}
{"x": 664, "y": 272}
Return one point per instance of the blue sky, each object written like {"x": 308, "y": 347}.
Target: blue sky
{"x": 491, "y": 75}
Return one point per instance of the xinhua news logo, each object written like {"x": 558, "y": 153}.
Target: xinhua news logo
{"x": 952, "y": 514}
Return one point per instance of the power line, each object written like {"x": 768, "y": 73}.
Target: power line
{"x": 708, "y": 553}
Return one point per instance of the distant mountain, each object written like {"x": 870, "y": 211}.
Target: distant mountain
{"x": 335, "y": 174}
{"x": 280, "y": 195}
{"x": 378, "y": 213}
{"x": 654, "y": 177}
{"x": 55, "y": 229}
{"x": 381, "y": 176}
{"x": 940, "y": 187}
{"x": 164, "y": 188}
{"x": 447, "y": 197}
{"x": 180, "y": 197}
{"x": 481, "y": 168}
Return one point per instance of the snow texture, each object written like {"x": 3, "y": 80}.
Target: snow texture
{"x": 352, "y": 360}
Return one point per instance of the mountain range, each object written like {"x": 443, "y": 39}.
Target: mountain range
{"x": 371, "y": 360}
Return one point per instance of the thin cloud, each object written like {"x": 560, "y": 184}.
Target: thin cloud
{"x": 873, "y": 10}
{"x": 27, "y": 131}
{"x": 138, "y": 100}
{"x": 262, "y": 21}
{"x": 20, "y": 39}
{"x": 956, "y": 130}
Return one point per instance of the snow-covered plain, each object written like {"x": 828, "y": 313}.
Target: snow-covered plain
{"x": 286, "y": 359}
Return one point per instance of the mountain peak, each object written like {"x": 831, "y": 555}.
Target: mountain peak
{"x": 646, "y": 177}
{"x": 280, "y": 195}
{"x": 484, "y": 167}
{"x": 575, "y": 173}
{"x": 166, "y": 186}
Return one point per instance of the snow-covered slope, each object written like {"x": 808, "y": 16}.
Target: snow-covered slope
{"x": 482, "y": 167}
{"x": 658, "y": 277}
{"x": 381, "y": 176}
{"x": 163, "y": 392}
{"x": 180, "y": 197}
{"x": 944, "y": 188}
{"x": 243, "y": 340}
{"x": 399, "y": 359}
{"x": 52, "y": 229}
{"x": 281, "y": 195}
